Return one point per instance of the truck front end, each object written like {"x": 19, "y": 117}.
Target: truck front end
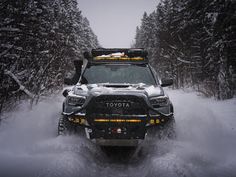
{"x": 116, "y": 101}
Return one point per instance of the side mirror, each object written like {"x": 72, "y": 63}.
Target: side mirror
{"x": 166, "y": 82}
{"x": 65, "y": 93}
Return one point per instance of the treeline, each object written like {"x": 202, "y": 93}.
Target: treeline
{"x": 193, "y": 42}
{"x": 39, "y": 39}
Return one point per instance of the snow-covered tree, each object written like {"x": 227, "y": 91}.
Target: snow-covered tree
{"x": 193, "y": 42}
{"x": 39, "y": 39}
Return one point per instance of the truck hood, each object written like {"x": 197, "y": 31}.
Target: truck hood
{"x": 117, "y": 89}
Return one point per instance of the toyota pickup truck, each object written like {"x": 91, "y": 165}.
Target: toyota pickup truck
{"x": 117, "y": 99}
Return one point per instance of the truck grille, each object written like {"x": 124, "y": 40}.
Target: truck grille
{"x": 117, "y": 104}
{"x": 108, "y": 113}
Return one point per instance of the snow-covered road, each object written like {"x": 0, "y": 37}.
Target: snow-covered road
{"x": 206, "y": 144}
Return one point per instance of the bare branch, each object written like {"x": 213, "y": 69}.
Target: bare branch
{"x": 184, "y": 61}
{"x": 13, "y": 76}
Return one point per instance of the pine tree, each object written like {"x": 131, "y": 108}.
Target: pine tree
{"x": 39, "y": 41}
{"x": 193, "y": 42}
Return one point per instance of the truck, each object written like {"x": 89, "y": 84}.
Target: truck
{"x": 117, "y": 99}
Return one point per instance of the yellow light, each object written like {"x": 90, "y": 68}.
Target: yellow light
{"x": 157, "y": 121}
{"x": 133, "y": 120}
{"x": 82, "y": 121}
{"x": 119, "y": 58}
{"x": 152, "y": 121}
{"x": 101, "y": 120}
{"x": 118, "y": 120}
{"x": 76, "y": 120}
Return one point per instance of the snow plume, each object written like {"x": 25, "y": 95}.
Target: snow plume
{"x": 29, "y": 145}
{"x": 205, "y": 145}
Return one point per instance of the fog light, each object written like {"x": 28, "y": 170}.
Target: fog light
{"x": 152, "y": 121}
{"x": 82, "y": 121}
{"x": 77, "y": 120}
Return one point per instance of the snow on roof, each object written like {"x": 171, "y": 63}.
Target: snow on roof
{"x": 118, "y": 54}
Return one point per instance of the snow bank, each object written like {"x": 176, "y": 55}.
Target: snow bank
{"x": 29, "y": 145}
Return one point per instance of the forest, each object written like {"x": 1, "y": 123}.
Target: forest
{"x": 39, "y": 39}
{"x": 193, "y": 42}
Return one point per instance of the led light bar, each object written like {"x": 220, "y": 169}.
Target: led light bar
{"x": 118, "y": 58}
{"x": 117, "y": 55}
{"x": 118, "y": 120}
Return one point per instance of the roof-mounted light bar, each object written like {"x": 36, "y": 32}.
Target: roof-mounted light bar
{"x": 117, "y": 55}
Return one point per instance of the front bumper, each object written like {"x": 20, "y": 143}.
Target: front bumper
{"x": 114, "y": 128}
{"x": 119, "y": 127}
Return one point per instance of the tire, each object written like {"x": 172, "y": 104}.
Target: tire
{"x": 168, "y": 131}
{"x": 65, "y": 127}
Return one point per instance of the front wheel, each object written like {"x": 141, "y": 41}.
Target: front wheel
{"x": 65, "y": 127}
{"x": 167, "y": 131}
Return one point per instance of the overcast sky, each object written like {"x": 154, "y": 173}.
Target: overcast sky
{"x": 115, "y": 21}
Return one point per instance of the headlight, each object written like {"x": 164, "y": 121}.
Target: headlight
{"x": 161, "y": 101}
{"x": 76, "y": 100}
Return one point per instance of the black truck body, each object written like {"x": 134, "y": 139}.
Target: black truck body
{"x": 117, "y": 99}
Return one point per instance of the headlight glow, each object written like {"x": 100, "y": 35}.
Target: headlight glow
{"x": 76, "y": 100}
{"x": 161, "y": 101}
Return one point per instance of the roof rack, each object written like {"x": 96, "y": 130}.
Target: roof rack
{"x": 124, "y": 55}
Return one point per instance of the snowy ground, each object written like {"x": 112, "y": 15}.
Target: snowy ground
{"x": 205, "y": 145}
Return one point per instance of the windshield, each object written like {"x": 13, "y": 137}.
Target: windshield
{"x": 129, "y": 74}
